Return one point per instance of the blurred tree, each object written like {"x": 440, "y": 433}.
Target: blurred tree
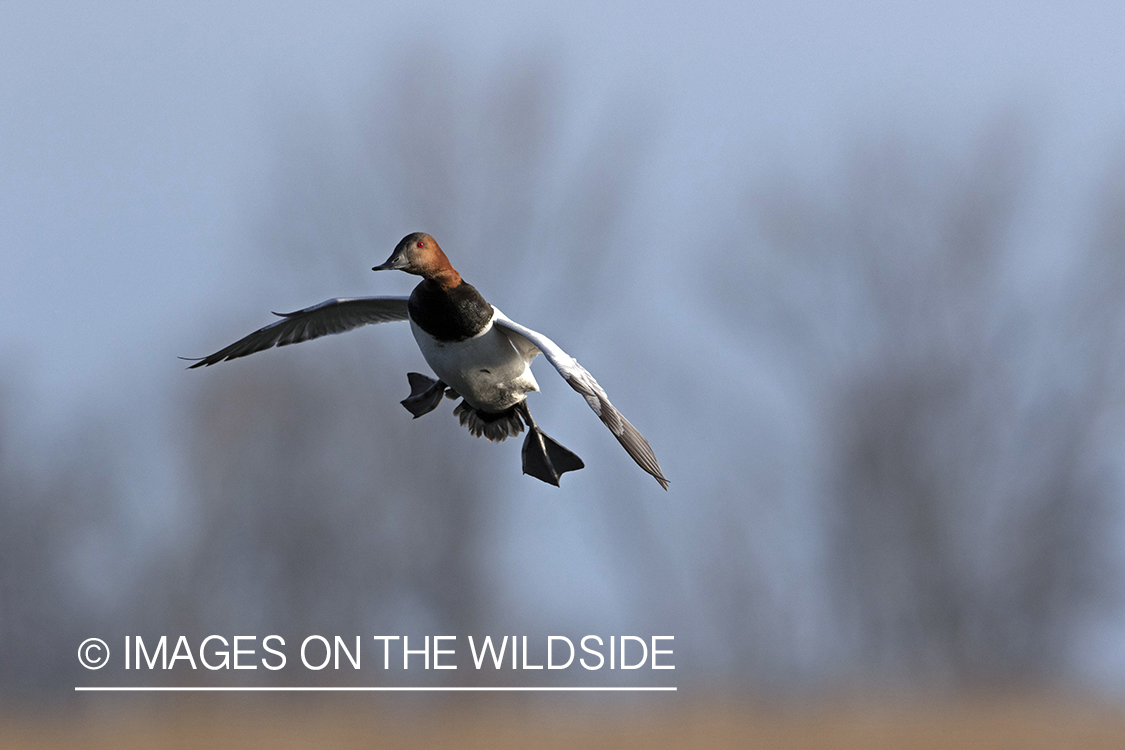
{"x": 964, "y": 514}
{"x": 64, "y": 547}
{"x": 940, "y": 508}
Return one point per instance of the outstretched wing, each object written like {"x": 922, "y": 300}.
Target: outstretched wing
{"x": 331, "y": 316}
{"x": 528, "y": 341}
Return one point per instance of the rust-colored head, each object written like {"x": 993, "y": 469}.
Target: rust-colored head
{"x": 419, "y": 254}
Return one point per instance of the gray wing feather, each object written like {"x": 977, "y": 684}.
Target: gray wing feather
{"x": 330, "y": 316}
{"x": 582, "y": 381}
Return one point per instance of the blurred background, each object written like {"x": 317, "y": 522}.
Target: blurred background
{"x": 856, "y": 270}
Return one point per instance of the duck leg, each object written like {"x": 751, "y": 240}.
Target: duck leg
{"x": 425, "y": 394}
{"x": 543, "y": 458}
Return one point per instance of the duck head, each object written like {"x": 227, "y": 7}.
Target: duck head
{"x": 419, "y": 254}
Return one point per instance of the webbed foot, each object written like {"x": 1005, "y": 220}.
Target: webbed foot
{"x": 543, "y": 457}
{"x": 425, "y": 394}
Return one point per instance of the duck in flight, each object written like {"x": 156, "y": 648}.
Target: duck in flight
{"x": 479, "y": 355}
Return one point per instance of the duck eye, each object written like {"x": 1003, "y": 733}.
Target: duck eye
{"x": 420, "y": 243}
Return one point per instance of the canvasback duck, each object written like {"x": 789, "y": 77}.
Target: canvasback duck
{"x": 479, "y": 355}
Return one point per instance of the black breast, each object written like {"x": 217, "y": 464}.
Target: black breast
{"x": 449, "y": 314}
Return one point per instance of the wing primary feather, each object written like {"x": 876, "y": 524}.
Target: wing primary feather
{"x": 331, "y": 316}
{"x": 584, "y": 383}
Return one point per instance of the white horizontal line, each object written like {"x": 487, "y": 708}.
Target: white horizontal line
{"x": 106, "y": 689}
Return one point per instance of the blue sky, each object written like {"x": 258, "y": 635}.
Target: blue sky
{"x": 140, "y": 143}
{"x": 136, "y": 140}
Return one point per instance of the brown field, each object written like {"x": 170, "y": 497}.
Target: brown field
{"x": 1018, "y": 723}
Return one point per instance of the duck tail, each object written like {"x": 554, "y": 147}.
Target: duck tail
{"x": 496, "y": 427}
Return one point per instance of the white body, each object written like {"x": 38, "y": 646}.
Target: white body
{"x": 487, "y": 370}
